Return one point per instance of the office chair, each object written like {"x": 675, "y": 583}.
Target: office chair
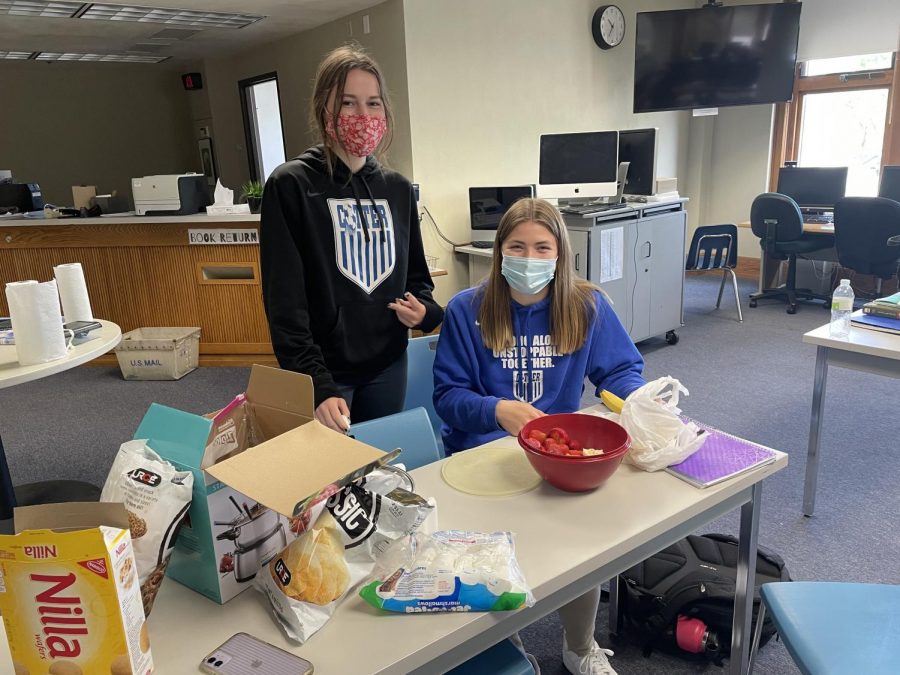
{"x": 714, "y": 247}
{"x": 863, "y": 227}
{"x": 776, "y": 220}
{"x": 832, "y": 628}
{"x": 420, "y": 380}
{"x": 411, "y": 430}
{"x": 43, "y": 492}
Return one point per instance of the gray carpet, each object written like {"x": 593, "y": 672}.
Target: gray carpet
{"x": 752, "y": 379}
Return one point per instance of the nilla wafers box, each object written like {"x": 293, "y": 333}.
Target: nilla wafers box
{"x": 69, "y": 592}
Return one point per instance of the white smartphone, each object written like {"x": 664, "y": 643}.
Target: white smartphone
{"x": 243, "y": 654}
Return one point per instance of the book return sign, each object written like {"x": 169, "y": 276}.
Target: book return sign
{"x": 226, "y": 236}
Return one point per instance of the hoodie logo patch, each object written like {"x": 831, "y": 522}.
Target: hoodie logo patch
{"x": 365, "y": 263}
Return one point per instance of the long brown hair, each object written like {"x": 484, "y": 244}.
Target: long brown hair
{"x": 331, "y": 77}
{"x": 572, "y": 304}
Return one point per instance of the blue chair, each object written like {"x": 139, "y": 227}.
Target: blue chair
{"x": 420, "y": 380}
{"x": 412, "y": 431}
{"x": 409, "y": 430}
{"x": 714, "y": 247}
{"x": 833, "y": 628}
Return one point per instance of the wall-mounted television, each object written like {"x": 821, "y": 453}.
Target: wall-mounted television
{"x": 715, "y": 56}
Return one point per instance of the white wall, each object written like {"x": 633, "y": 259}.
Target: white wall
{"x": 486, "y": 79}
{"x": 842, "y": 28}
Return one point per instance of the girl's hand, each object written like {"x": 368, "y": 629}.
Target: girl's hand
{"x": 513, "y": 415}
{"x": 409, "y": 310}
{"x": 334, "y": 414}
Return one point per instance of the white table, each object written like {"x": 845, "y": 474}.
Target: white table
{"x": 869, "y": 351}
{"x": 11, "y": 373}
{"x": 566, "y": 544}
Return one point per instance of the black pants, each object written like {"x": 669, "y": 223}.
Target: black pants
{"x": 376, "y": 396}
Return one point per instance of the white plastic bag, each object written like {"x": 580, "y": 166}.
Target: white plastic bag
{"x": 659, "y": 437}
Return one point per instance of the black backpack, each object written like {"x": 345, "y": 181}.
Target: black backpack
{"x": 694, "y": 577}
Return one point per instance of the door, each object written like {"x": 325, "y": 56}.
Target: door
{"x": 666, "y": 276}
{"x": 578, "y": 239}
{"x": 262, "y": 124}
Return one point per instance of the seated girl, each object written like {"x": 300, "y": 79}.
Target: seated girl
{"x": 518, "y": 346}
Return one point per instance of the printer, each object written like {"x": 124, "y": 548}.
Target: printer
{"x": 170, "y": 194}
{"x": 20, "y": 198}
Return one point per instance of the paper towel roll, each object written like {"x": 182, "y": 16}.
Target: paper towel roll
{"x": 76, "y": 305}
{"x": 36, "y": 321}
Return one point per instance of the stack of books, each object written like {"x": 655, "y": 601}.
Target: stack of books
{"x": 889, "y": 307}
{"x": 882, "y": 314}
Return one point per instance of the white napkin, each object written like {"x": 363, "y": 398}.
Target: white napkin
{"x": 222, "y": 195}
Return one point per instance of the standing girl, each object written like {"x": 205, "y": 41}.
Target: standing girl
{"x": 519, "y": 346}
{"x": 343, "y": 268}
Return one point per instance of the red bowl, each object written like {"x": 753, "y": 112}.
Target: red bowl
{"x": 578, "y": 474}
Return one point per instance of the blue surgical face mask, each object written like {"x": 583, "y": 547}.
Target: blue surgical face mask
{"x": 528, "y": 275}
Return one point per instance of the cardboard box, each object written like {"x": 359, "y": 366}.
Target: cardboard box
{"x": 69, "y": 593}
{"x": 83, "y": 195}
{"x": 239, "y": 517}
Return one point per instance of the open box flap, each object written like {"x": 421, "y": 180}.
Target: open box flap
{"x": 285, "y": 472}
{"x": 70, "y": 516}
{"x": 176, "y": 435}
{"x": 282, "y": 390}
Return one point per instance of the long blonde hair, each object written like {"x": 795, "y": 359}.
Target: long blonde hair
{"x": 332, "y": 76}
{"x": 572, "y": 304}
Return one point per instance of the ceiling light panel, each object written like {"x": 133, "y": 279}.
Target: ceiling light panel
{"x": 118, "y": 58}
{"x": 175, "y": 17}
{"x": 59, "y": 10}
{"x": 15, "y": 56}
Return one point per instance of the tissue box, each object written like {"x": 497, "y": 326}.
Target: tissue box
{"x": 227, "y": 209}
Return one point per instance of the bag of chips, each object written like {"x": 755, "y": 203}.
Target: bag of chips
{"x": 157, "y": 497}
{"x": 349, "y": 531}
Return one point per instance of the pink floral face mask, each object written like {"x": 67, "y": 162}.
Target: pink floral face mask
{"x": 357, "y": 134}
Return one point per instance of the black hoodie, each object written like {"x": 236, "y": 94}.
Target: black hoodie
{"x": 328, "y": 275}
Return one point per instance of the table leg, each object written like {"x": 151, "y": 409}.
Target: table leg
{"x": 745, "y": 583}
{"x": 815, "y": 431}
{"x": 7, "y": 495}
{"x": 614, "y": 604}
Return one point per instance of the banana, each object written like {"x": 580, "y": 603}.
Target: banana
{"x": 611, "y": 401}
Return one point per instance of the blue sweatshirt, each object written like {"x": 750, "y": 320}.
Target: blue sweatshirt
{"x": 470, "y": 379}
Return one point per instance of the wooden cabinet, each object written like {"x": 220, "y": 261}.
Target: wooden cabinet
{"x": 145, "y": 272}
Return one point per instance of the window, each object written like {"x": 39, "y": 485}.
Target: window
{"x": 848, "y": 64}
{"x": 840, "y": 115}
{"x": 845, "y": 128}
{"x": 262, "y": 124}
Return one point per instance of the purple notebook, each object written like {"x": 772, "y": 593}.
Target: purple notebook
{"x": 721, "y": 457}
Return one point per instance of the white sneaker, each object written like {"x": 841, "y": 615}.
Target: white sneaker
{"x": 594, "y": 663}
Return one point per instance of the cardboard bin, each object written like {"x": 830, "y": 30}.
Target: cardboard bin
{"x": 158, "y": 353}
{"x": 69, "y": 591}
{"x": 229, "y": 534}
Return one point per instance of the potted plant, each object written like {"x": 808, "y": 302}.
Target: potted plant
{"x": 253, "y": 192}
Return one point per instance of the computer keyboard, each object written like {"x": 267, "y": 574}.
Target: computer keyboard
{"x": 584, "y": 209}
{"x": 820, "y": 219}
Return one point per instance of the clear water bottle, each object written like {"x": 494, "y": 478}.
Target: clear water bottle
{"x": 841, "y": 308}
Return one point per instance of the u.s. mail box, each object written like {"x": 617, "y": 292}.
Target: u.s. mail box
{"x": 285, "y": 457}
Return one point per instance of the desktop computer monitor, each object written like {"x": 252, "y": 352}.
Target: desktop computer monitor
{"x": 487, "y": 206}
{"x": 579, "y": 167}
{"x": 638, "y": 148}
{"x": 816, "y": 187}
{"x": 890, "y": 183}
